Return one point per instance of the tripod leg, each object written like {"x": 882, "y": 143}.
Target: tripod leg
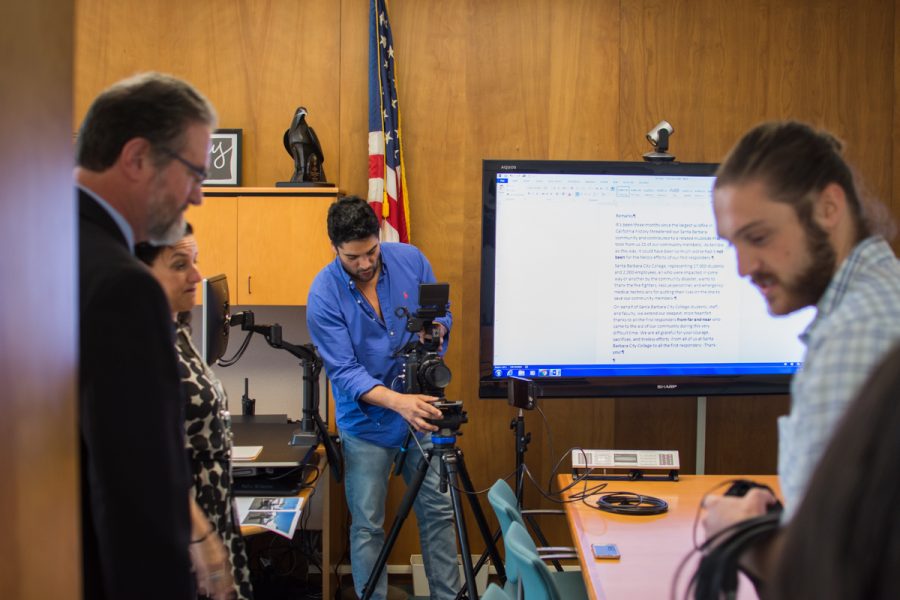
{"x": 490, "y": 541}
{"x": 402, "y": 512}
{"x": 449, "y": 461}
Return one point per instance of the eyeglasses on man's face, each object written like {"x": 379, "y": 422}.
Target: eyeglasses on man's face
{"x": 199, "y": 173}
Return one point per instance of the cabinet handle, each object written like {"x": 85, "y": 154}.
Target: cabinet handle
{"x": 249, "y": 291}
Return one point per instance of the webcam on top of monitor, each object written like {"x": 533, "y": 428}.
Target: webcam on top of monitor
{"x": 659, "y": 139}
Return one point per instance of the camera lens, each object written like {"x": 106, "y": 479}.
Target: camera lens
{"x": 434, "y": 373}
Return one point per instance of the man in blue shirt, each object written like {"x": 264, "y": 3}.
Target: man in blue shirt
{"x": 353, "y": 319}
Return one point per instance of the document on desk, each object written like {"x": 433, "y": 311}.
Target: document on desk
{"x": 277, "y": 514}
{"x": 244, "y": 453}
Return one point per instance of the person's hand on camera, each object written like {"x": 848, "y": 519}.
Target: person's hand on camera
{"x": 442, "y": 333}
{"x": 724, "y": 511}
{"x": 415, "y": 408}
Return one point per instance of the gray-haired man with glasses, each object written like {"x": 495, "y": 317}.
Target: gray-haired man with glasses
{"x": 141, "y": 153}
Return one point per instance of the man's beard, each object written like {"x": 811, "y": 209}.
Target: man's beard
{"x": 807, "y": 288}
{"x": 810, "y": 285}
{"x": 372, "y": 272}
{"x": 165, "y": 221}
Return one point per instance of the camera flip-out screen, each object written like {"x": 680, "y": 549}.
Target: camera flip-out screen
{"x": 434, "y": 295}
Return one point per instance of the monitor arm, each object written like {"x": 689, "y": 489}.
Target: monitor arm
{"x": 312, "y": 428}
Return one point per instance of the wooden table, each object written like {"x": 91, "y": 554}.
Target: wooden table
{"x": 652, "y": 547}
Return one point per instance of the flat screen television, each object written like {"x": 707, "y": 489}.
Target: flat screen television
{"x": 608, "y": 279}
{"x": 215, "y": 314}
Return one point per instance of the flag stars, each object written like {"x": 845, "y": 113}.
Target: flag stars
{"x": 381, "y": 19}
{"x": 388, "y": 139}
{"x": 394, "y": 103}
{"x": 391, "y": 51}
{"x": 383, "y": 41}
{"x": 386, "y": 115}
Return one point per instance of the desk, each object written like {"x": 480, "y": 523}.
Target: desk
{"x": 312, "y": 477}
{"x": 258, "y": 431}
{"x": 651, "y": 547}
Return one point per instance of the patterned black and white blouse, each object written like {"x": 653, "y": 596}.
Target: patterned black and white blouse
{"x": 208, "y": 429}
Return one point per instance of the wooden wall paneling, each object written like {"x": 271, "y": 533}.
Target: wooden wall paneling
{"x": 582, "y": 82}
{"x": 354, "y": 97}
{"x": 833, "y": 68}
{"x": 507, "y": 65}
{"x": 696, "y": 64}
{"x": 742, "y": 433}
{"x": 296, "y": 62}
{"x": 257, "y": 62}
{"x": 665, "y": 423}
{"x": 40, "y": 501}
{"x": 505, "y": 116}
{"x": 114, "y": 40}
{"x": 429, "y": 50}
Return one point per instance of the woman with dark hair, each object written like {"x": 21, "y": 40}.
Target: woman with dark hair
{"x": 208, "y": 432}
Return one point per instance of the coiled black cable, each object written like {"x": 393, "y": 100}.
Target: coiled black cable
{"x": 629, "y": 503}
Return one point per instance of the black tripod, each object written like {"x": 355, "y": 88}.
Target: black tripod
{"x": 452, "y": 470}
{"x": 522, "y": 440}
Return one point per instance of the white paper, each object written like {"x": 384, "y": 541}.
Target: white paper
{"x": 245, "y": 453}
{"x": 275, "y": 513}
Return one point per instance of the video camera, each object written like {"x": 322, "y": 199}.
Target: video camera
{"x": 424, "y": 370}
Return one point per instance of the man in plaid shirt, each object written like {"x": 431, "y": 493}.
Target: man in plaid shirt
{"x": 786, "y": 200}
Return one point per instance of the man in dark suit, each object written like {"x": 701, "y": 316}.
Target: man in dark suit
{"x": 141, "y": 156}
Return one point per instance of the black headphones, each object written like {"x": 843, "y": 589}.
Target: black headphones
{"x": 629, "y": 503}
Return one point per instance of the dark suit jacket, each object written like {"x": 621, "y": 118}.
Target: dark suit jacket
{"x": 135, "y": 478}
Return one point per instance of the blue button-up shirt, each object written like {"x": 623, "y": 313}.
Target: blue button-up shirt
{"x": 359, "y": 348}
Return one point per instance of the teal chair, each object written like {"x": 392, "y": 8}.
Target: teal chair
{"x": 535, "y": 580}
{"x": 495, "y": 592}
{"x": 505, "y": 504}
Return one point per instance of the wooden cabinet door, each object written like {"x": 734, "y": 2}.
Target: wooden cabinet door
{"x": 282, "y": 245}
{"x": 215, "y": 228}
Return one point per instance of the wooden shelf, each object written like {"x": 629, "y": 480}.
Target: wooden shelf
{"x": 214, "y": 191}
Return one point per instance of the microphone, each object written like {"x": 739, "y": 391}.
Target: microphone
{"x": 248, "y": 404}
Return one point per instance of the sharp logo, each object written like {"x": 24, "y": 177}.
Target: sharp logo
{"x": 507, "y": 167}
{"x": 667, "y": 386}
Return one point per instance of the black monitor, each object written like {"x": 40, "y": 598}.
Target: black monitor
{"x": 608, "y": 279}
{"x": 216, "y": 311}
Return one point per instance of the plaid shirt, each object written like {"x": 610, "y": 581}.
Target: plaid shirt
{"x": 857, "y": 322}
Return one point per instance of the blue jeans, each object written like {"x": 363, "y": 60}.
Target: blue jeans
{"x": 367, "y": 468}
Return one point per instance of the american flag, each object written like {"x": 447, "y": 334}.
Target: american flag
{"x": 387, "y": 182}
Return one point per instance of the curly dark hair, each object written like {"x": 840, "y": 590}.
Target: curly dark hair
{"x": 351, "y": 218}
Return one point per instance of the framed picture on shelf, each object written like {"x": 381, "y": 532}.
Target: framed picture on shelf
{"x": 225, "y": 158}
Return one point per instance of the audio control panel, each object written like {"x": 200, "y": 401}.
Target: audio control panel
{"x": 666, "y": 460}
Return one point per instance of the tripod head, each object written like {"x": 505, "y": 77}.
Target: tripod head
{"x": 452, "y": 416}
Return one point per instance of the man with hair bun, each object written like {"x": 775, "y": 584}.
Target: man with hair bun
{"x": 786, "y": 200}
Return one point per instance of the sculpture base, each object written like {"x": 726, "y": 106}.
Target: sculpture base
{"x": 303, "y": 184}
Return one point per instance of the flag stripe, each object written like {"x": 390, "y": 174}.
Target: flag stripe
{"x": 388, "y": 193}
